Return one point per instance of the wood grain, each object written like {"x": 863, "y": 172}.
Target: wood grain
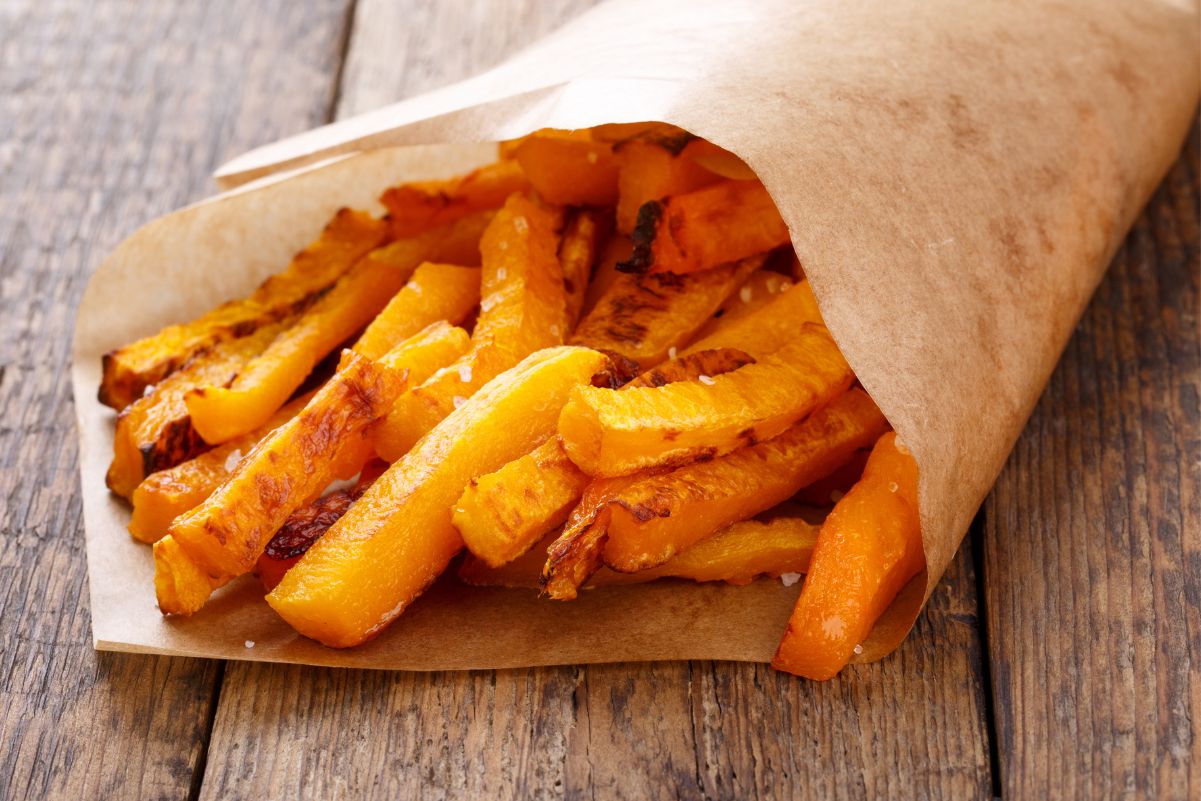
{"x": 110, "y": 114}
{"x": 1092, "y": 546}
{"x": 701, "y": 730}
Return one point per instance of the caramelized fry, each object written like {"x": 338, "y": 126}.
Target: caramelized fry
{"x": 576, "y": 553}
{"x": 652, "y": 168}
{"x": 658, "y": 517}
{"x": 374, "y": 561}
{"x": 155, "y": 432}
{"x": 132, "y": 368}
{"x": 417, "y": 207}
{"x": 643, "y": 317}
{"x": 523, "y": 310}
{"x": 868, "y": 549}
{"x": 609, "y": 433}
{"x": 717, "y": 224}
{"x": 582, "y": 238}
{"x": 224, "y": 536}
{"x": 738, "y": 554}
{"x": 503, "y": 513}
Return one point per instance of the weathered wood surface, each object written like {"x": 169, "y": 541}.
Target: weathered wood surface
{"x": 110, "y": 115}
{"x": 1089, "y": 547}
{"x": 1092, "y": 545}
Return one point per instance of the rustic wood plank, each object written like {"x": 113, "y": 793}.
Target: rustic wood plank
{"x": 913, "y": 726}
{"x": 112, "y": 113}
{"x": 1092, "y": 546}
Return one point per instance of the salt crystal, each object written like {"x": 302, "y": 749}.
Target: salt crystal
{"x": 788, "y": 579}
{"x": 858, "y": 649}
{"x": 892, "y": 486}
{"x": 554, "y": 330}
{"x": 249, "y": 643}
{"x": 745, "y": 294}
{"x": 458, "y": 400}
{"x": 706, "y": 380}
{"x": 149, "y": 388}
{"x": 900, "y": 445}
{"x": 232, "y": 460}
{"x": 415, "y": 288}
{"x": 501, "y": 273}
{"x": 464, "y": 373}
{"x": 521, "y": 225}
{"x": 785, "y": 285}
{"x": 671, "y": 352}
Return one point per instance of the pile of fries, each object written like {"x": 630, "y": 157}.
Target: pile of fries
{"x": 595, "y": 361}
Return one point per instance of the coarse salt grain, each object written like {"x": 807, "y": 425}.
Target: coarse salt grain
{"x": 249, "y": 643}
{"x": 892, "y": 486}
{"x": 900, "y": 445}
{"x": 788, "y": 579}
{"x": 554, "y": 330}
{"x": 671, "y": 352}
{"x": 706, "y": 380}
{"x": 232, "y": 460}
{"x": 465, "y": 373}
{"x": 148, "y": 389}
{"x": 458, "y": 400}
{"x": 415, "y": 287}
{"x": 745, "y": 294}
{"x": 501, "y": 273}
{"x": 858, "y": 649}
{"x": 521, "y": 225}
{"x": 785, "y": 285}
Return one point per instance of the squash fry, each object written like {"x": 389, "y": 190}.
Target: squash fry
{"x": 868, "y": 549}
{"x": 221, "y": 413}
{"x": 577, "y": 553}
{"x": 435, "y": 292}
{"x": 417, "y": 207}
{"x": 569, "y": 170}
{"x": 128, "y": 370}
{"x": 501, "y": 514}
{"x": 657, "y": 517}
{"x": 223, "y": 537}
{"x": 651, "y": 168}
{"x": 155, "y": 432}
{"x": 165, "y": 495}
{"x": 643, "y": 317}
{"x": 609, "y": 433}
{"x": 617, "y": 249}
{"x": 523, "y": 310}
{"x": 762, "y": 331}
{"x": 738, "y": 554}
{"x": 721, "y": 223}
{"x": 582, "y": 238}
{"x": 373, "y": 562}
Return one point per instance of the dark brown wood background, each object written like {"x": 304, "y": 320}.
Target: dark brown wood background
{"x": 1059, "y": 657}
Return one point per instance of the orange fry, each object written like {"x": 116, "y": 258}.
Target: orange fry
{"x": 417, "y": 207}
{"x": 130, "y": 369}
{"x": 224, "y": 536}
{"x": 609, "y": 433}
{"x": 762, "y": 330}
{"x": 523, "y": 310}
{"x": 659, "y": 516}
{"x": 642, "y": 317}
{"x": 868, "y": 549}
{"x": 569, "y": 170}
{"x": 435, "y": 292}
{"x": 398, "y": 537}
{"x": 724, "y": 222}
{"x": 652, "y": 168}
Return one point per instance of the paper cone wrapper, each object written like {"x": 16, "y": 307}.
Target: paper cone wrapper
{"x": 956, "y": 176}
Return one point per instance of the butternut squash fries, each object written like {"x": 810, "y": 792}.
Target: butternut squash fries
{"x": 643, "y": 388}
{"x": 398, "y": 537}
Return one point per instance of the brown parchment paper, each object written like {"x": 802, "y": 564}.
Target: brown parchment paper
{"x": 956, "y": 175}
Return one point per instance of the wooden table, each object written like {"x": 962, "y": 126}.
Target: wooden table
{"x": 1059, "y": 657}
